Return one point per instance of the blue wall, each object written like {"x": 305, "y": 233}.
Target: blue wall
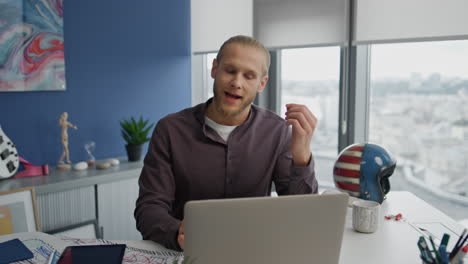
{"x": 123, "y": 58}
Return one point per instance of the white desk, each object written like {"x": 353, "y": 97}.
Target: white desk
{"x": 394, "y": 241}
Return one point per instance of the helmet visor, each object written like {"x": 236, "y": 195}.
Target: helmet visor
{"x": 384, "y": 174}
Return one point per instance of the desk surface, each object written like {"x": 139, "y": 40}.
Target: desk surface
{"x": 393, "y": 242}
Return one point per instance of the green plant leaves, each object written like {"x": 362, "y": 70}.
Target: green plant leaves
{"x": 135, "y": 132}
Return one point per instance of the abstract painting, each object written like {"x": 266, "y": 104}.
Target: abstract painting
{"x": 31, "y": 45}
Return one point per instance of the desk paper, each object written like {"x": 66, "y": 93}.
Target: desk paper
{"x": 42, "y": 245}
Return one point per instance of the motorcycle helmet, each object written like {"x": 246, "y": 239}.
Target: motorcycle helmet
{"x": 362, "y": 170}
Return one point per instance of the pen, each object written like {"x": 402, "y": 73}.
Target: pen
{"x": 459, "y": 247}
{"x": 458, "y": 258}
{"x": 424, "y": 249}
{"x": 455, "y": 248}
{"x": 463, "y": 243}
{"x": 444, "y": 258}
{"x": 436, "y": 252}
{"x": 445, "y": 240}
{"x": 52, "y": 257}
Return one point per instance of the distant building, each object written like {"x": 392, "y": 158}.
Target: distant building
{"x": 460, "y": 130}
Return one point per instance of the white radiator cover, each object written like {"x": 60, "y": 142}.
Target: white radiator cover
{"x": 66, "y": 208}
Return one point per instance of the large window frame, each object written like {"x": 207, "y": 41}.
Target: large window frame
{"x": 355, "y": 87}
{"x": 354, "y": 95}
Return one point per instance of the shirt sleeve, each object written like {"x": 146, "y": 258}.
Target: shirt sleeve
{"x": 290, "y": 179}
{"x": 157, "y": 193}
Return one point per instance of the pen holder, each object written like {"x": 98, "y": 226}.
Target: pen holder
{"x": 424, "y": 262}
{"x": 433, "y": 253}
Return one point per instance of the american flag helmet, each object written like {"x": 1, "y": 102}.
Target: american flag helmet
{"x": 362, "y": 170}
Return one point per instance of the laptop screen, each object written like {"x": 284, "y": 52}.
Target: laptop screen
{"x": 287, "y": 229}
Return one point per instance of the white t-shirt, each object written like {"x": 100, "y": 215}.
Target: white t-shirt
{"x": 222, "y": 130}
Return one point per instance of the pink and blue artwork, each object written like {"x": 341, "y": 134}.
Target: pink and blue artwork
{"x": 31, "y": 45}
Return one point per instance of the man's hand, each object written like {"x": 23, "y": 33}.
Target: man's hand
{"x": 180, "y": 236}
{"x": 303, "y": 125}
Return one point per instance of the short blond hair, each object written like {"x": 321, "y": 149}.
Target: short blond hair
{"x": 246, "y": 41}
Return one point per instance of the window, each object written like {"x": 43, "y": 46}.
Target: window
{"x": 202, "y": 83}
{"x": 310, "y": 76}
{"x": 209, "y": 64}
{"x": 419, "y": 112}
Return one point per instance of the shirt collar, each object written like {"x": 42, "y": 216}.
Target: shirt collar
{"x": 200, "y": 112}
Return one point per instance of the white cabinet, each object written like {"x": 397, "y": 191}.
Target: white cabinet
{"x": 116, "y": 203}
{"x": 69, "y": 199}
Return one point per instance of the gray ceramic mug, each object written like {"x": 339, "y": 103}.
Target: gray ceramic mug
{"x": 366, "y": 216}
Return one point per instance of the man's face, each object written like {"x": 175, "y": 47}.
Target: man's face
{"x": 238, "y": 77}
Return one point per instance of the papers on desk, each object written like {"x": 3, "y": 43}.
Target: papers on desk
{"x": 42, "y": 245}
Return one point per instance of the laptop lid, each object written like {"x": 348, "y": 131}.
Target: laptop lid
{"x": 295, "y": 229}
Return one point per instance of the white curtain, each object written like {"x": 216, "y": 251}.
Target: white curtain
{"x": 383, "y": 21}
{"x": 295, "y": 23}
{"x": 214, "y": 21}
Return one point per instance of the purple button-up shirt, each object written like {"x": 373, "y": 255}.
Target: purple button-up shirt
{"x": 187, "y": 160}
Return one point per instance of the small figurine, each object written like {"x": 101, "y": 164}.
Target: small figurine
{"x": 64, "y": 124}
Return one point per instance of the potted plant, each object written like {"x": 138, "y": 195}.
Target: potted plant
{"x": 135, "y": 134}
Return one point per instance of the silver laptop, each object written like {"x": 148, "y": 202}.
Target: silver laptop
{"x": 296, "y": 229}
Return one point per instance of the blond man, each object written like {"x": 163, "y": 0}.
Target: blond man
{"x": 224, "y": 148}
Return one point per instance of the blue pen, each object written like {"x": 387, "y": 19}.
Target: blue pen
{"x": 445, "y": 240}
{"x": 444, "y": 257}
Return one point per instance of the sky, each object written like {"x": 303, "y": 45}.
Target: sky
{"x": 449, "y": 58}
{"x": 311, "y": 63}
{"x": 400, "y": 60}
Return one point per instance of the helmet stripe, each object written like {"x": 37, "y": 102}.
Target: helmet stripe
{"x": 350, "y": 159}
{"x": 355, "y": 194}
{"x": 339, "y": 178}
{"x": 348, "y": 186}
{"x": 352, "y": 153}
{"x": 348, "y": 166}
{"x": 359, "y": 147}
{"x": 347, "y": 173}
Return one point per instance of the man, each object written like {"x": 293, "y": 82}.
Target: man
{"x": 224, "y": 148}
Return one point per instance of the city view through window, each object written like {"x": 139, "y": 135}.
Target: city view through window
{"x": 310, "y": 76}
{"x": 419, "y": 111}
